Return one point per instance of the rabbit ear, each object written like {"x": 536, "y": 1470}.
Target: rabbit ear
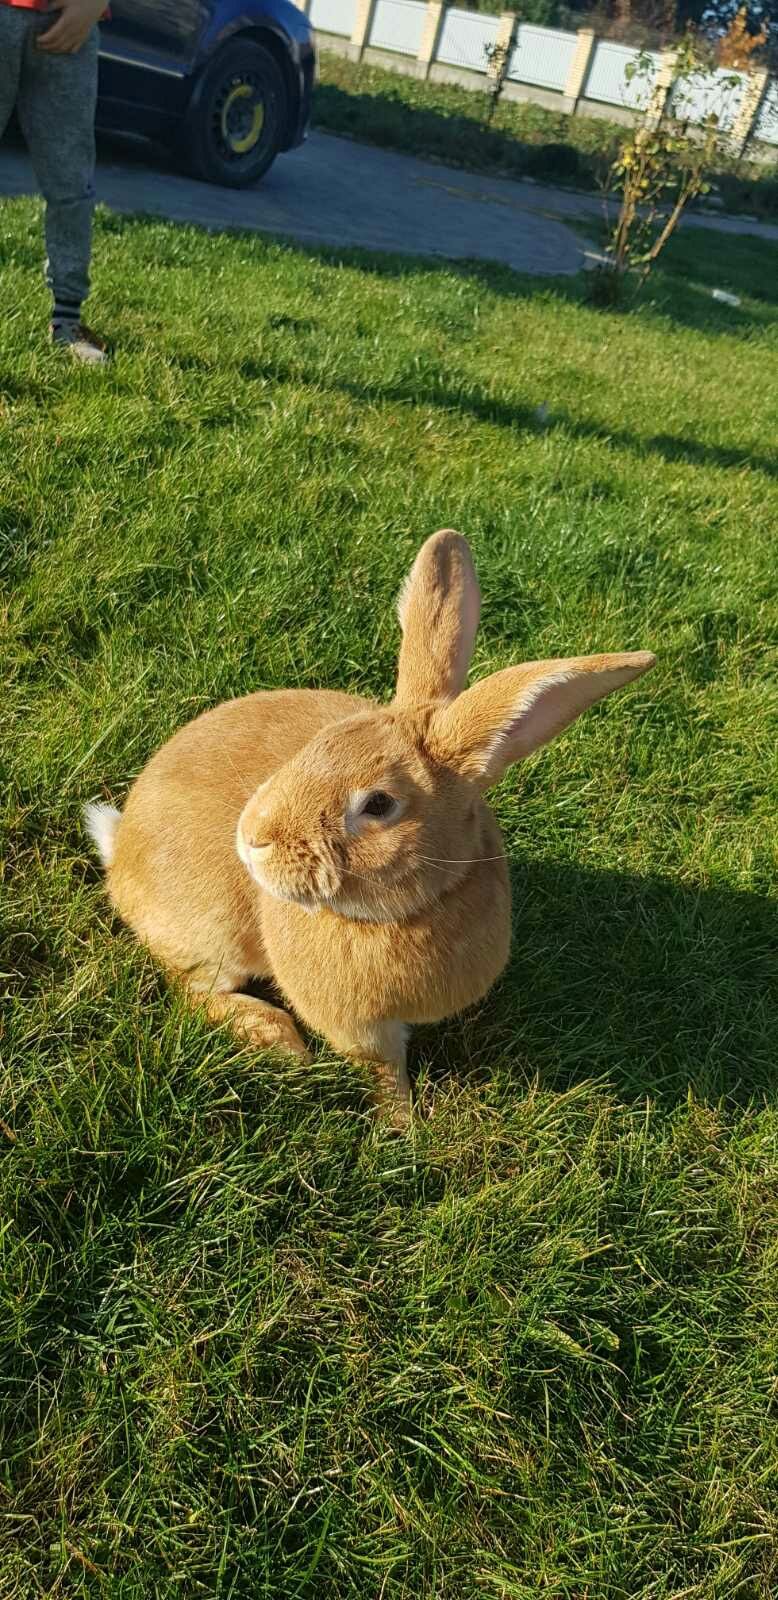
{"x": 439, "y": 608}
{"x": 505, "y": 717}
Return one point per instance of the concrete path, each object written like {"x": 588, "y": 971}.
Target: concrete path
{"x": 335, "y": 192}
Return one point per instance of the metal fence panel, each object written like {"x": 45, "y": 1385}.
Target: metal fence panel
{"x": 334, "y": 16}
{"x": 716, "y": 94}
{"x": 464, "y": 38}
{"x": 398, "y": 25}
{"x": 543, "y": 56}
{"x": 607, "y": 80}
{"x": 767, "y": 126}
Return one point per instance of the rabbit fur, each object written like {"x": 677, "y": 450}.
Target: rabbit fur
{"x": 342, "y": 848}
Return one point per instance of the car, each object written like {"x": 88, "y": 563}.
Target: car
{"x": 228, "y": 83}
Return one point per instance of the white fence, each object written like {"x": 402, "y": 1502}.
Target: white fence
{"x": 398, "y": 25}
{"x": 608, "y": 83}
{"x": 542, "y": 56}
{"x": 334, "y": 16}
{"x": 577, "y": 70}
{"x": 715, "y": 95}
{"x": 766, "y": 130}
{"x": 465, "y": 37}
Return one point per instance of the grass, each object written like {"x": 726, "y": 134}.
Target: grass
{"x": 249, "y": 1345}
{"x": 446, "y": 123}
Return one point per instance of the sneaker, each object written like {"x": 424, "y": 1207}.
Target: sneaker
{"x": 83, "y": 344}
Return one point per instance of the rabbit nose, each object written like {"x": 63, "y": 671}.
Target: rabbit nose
{"x": 249, "y": 845}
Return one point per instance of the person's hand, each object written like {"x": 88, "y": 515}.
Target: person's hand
{"x": 73, "y": 26}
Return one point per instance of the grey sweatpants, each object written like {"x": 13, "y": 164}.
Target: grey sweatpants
{"x": 55, "y": 97}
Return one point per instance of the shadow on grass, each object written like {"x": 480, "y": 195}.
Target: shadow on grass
{"x": 659, "y": 988}
{"x": 16, "y": 389}
{"x": 679, "y": 290}
{"x": 485, "y": 407}
{"x": 471, "y": 401}
{"x": 656, "y": 988}
{"x": 753, "y": 259}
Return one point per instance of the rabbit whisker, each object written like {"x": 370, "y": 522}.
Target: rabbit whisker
{"x": 242, "y": 776}
{"x": 461, "y": 861}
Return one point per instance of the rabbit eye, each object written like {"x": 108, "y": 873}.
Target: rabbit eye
{"x": 369, "y": 805}
{"x": 378, "y": 804}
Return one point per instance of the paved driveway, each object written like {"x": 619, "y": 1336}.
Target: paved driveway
{"x": 339, "y": 193}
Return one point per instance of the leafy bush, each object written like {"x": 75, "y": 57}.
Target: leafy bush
{"x": 664, "y": 162}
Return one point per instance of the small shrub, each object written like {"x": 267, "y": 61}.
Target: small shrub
{"x": 664, "y": 163}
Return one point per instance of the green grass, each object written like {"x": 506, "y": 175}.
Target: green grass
{"x": 446, "y": 123}
{"x": 249, "y": 1345}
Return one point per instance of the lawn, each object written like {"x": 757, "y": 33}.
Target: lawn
{"x": 252, "y": 1346}
{"x": 445, "y": 122}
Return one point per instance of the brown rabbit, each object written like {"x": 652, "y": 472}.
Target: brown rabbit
{"x": 342, "y": 848}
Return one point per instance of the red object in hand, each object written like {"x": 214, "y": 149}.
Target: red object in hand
{"x": 40, "y": 5}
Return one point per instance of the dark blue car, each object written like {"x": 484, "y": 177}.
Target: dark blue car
{"x": 227, "y": 83}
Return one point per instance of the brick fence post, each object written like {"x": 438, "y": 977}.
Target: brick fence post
{"x": 505, "y": 39}
{"x": 661, "y": 90}
{"x": 430, "y": 36}
{"x": 750, "y": 106}
{"x": 579, "y": 68}
{"x": 362, "y": 24}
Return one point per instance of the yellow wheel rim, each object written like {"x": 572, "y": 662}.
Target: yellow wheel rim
{"x": 241, "y": 144}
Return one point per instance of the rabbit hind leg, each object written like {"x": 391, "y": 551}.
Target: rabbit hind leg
{"x": 261, "y": 1024}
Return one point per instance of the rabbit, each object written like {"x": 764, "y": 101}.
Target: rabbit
{"x": 341, "y": 848}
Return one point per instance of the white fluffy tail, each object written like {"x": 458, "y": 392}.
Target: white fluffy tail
{"x": 101, "y": 822}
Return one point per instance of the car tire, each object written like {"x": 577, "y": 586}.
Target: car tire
{"x": 235, "y": 125}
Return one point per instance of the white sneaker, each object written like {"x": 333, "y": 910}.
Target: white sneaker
{"x": 83, "y": 344}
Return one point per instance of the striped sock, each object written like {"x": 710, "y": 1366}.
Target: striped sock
{"x": 66, "y": 311}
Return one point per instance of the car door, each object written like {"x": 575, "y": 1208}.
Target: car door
{"x": 147, "y": 51}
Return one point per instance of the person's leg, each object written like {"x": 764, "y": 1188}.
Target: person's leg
{"x": 57, "y": 99}
{"x": 14, "y": 26}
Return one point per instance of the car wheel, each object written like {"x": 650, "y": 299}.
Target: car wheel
{"x": 235, "y": 125}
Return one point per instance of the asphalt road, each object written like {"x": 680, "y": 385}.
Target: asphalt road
{"x": 335, "y": 192}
